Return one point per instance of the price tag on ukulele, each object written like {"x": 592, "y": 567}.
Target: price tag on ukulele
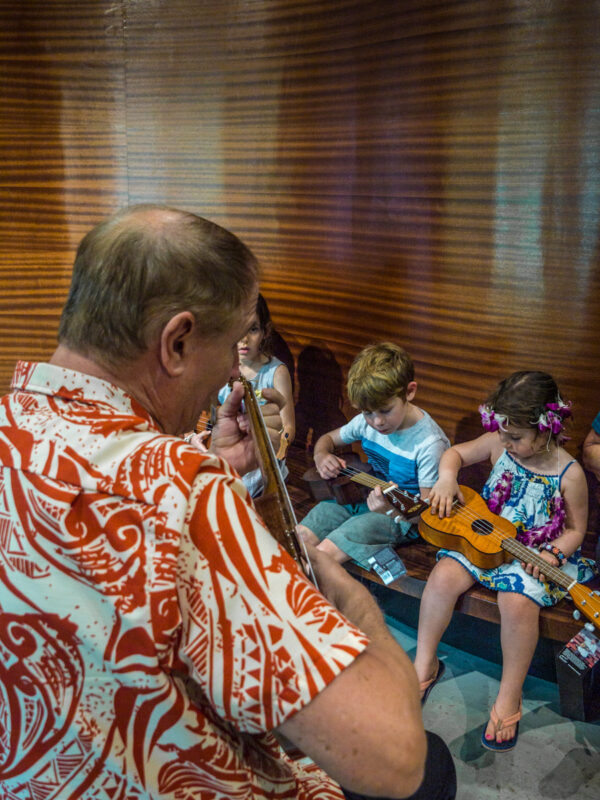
{"x": 387, "y": 564}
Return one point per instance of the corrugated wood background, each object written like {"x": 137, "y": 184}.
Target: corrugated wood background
{"x": 424, "y": 172}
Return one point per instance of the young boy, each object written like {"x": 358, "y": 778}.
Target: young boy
{"x": 402, "y": 443}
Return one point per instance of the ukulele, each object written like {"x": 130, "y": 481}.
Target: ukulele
{"x": 274, "y": 504}
{"x": 485, "y": 538}
{"x": 340, "y": 488}
{"x": 489, "y": 540}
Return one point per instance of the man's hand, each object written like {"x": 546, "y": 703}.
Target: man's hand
{"x": 231, "y": 434}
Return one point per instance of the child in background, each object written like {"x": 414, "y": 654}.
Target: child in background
{"x": 402, "y": 443}
{"x": 536, "y": 485}
{"x": 259, "y": 366}
{"x": 591, "y": 448}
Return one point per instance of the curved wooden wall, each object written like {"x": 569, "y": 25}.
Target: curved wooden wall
{"x": 416, "y": 171}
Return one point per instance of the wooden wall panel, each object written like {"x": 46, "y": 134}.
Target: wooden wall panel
{"x": 62, "y": 157}
{"x": 415, "y": 171}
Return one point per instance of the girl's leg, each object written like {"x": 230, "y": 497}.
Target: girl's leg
{"x": 447, "y": 581}
{"x": 519, "y": 632}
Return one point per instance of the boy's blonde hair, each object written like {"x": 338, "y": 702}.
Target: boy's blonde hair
{"x": 378, "y": 374}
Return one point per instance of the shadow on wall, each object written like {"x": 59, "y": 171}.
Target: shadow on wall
{"x": 475, "y": 475}
{"x": 281, "y": 350}
{"x": 320, "y": 394}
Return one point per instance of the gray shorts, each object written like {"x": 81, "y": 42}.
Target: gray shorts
{"x": 357, "y": 531}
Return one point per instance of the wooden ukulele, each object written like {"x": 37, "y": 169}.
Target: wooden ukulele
{"x": 488, "y": 540}
{"x": 274, "y": 504}
{"x": 341, "y": 487}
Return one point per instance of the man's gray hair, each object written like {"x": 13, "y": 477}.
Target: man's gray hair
{"x": 139, "y": 268}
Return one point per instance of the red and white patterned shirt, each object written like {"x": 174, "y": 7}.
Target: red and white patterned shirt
{"x": 152, "y": 632}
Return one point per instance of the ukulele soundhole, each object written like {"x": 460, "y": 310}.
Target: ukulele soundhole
{"x": 482, "y": 527}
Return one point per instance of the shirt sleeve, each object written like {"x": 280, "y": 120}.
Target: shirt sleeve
{"x": 596, "y": 423}
{"x": 258, "y": 638}
{"x": 428, "y": 462}
{"x": 353, "y": 431}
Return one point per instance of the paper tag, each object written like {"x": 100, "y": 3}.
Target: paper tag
{"x": 387, "y": 564}
{"x": 581, "y": 652}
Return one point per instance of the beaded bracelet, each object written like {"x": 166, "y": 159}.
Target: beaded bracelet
{"x": 554, "y": 550}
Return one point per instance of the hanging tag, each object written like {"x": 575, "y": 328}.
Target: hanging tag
{"x": 387, "y": 564}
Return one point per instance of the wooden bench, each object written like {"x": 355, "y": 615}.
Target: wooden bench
{"x": 556, "y": 623}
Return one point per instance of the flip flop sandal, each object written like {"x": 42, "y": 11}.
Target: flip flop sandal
{"x": 427, "y": 686}
{"x": 500, "y": 724}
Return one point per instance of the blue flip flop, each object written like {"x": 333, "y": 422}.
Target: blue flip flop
{"x": 427, "y": 686}
{"x": 499, "y": 724}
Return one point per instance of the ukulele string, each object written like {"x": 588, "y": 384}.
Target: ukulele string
{"x": 497, "y": 536}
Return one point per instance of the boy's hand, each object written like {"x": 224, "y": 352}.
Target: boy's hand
{"x": 442, "y": 496}
{"x": 329, "y": 465}
{"x": 378, "y": 502}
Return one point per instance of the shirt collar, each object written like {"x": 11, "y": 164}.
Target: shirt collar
{"x": 51, "y": 380}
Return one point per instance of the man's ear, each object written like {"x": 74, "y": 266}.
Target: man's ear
{"x": 177, "y": 340}
{"x": 411, "y": 391}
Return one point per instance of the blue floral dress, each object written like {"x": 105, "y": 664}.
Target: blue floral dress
{"x": 529, "y": 503}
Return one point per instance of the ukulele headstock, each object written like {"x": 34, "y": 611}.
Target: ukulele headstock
{"x": 410, "y": 505}
{"x": 588, "y": 602}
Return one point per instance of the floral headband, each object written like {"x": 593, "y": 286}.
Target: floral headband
{"x": 553, "y": 419}
{"x": 550, "y": 420}
{"x": 491, "y": 420}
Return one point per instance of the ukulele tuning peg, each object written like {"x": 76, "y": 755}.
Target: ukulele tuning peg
{"x": 576, "y": 614}
{"x": 589, "y": 626}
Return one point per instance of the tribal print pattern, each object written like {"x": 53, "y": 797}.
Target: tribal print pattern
{"x": 152, "y": 633}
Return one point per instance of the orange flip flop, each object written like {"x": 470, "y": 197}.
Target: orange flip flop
{"x": 500, "y": 724}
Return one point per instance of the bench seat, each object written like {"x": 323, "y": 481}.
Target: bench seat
{"x": 556, "y": 623}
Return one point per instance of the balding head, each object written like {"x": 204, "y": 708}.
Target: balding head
{"x": 143, "y": 265}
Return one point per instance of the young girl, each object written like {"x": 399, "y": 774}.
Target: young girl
{"x": 536, "y": 485}
{"x": 264, "y": 370}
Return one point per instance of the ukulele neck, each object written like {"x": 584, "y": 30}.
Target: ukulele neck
{"x": 529, "y": 556}
{"x": 406, "y": 502}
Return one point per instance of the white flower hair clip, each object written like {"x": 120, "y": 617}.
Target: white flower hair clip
{"x": 491, "y": 420}
{"x": 553, "y": 419}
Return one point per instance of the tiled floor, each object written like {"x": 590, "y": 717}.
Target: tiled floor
{"x": 555, "y": 757}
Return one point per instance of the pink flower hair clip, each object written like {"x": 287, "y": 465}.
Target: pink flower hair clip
{"x": 491, "y": 420}
{"x": 554, "y": 417}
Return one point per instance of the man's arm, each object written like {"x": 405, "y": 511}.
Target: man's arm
{"x": 365, "y": 728}
{"x": 591, "y": 453}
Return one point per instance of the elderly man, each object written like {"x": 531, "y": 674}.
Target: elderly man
{"x": 155, "y": 640}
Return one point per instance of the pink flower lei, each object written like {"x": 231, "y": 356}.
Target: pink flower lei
{"x": 500, "y": 493}
{"x": 549, "y": 530}
{"x": 534, "y": 536}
